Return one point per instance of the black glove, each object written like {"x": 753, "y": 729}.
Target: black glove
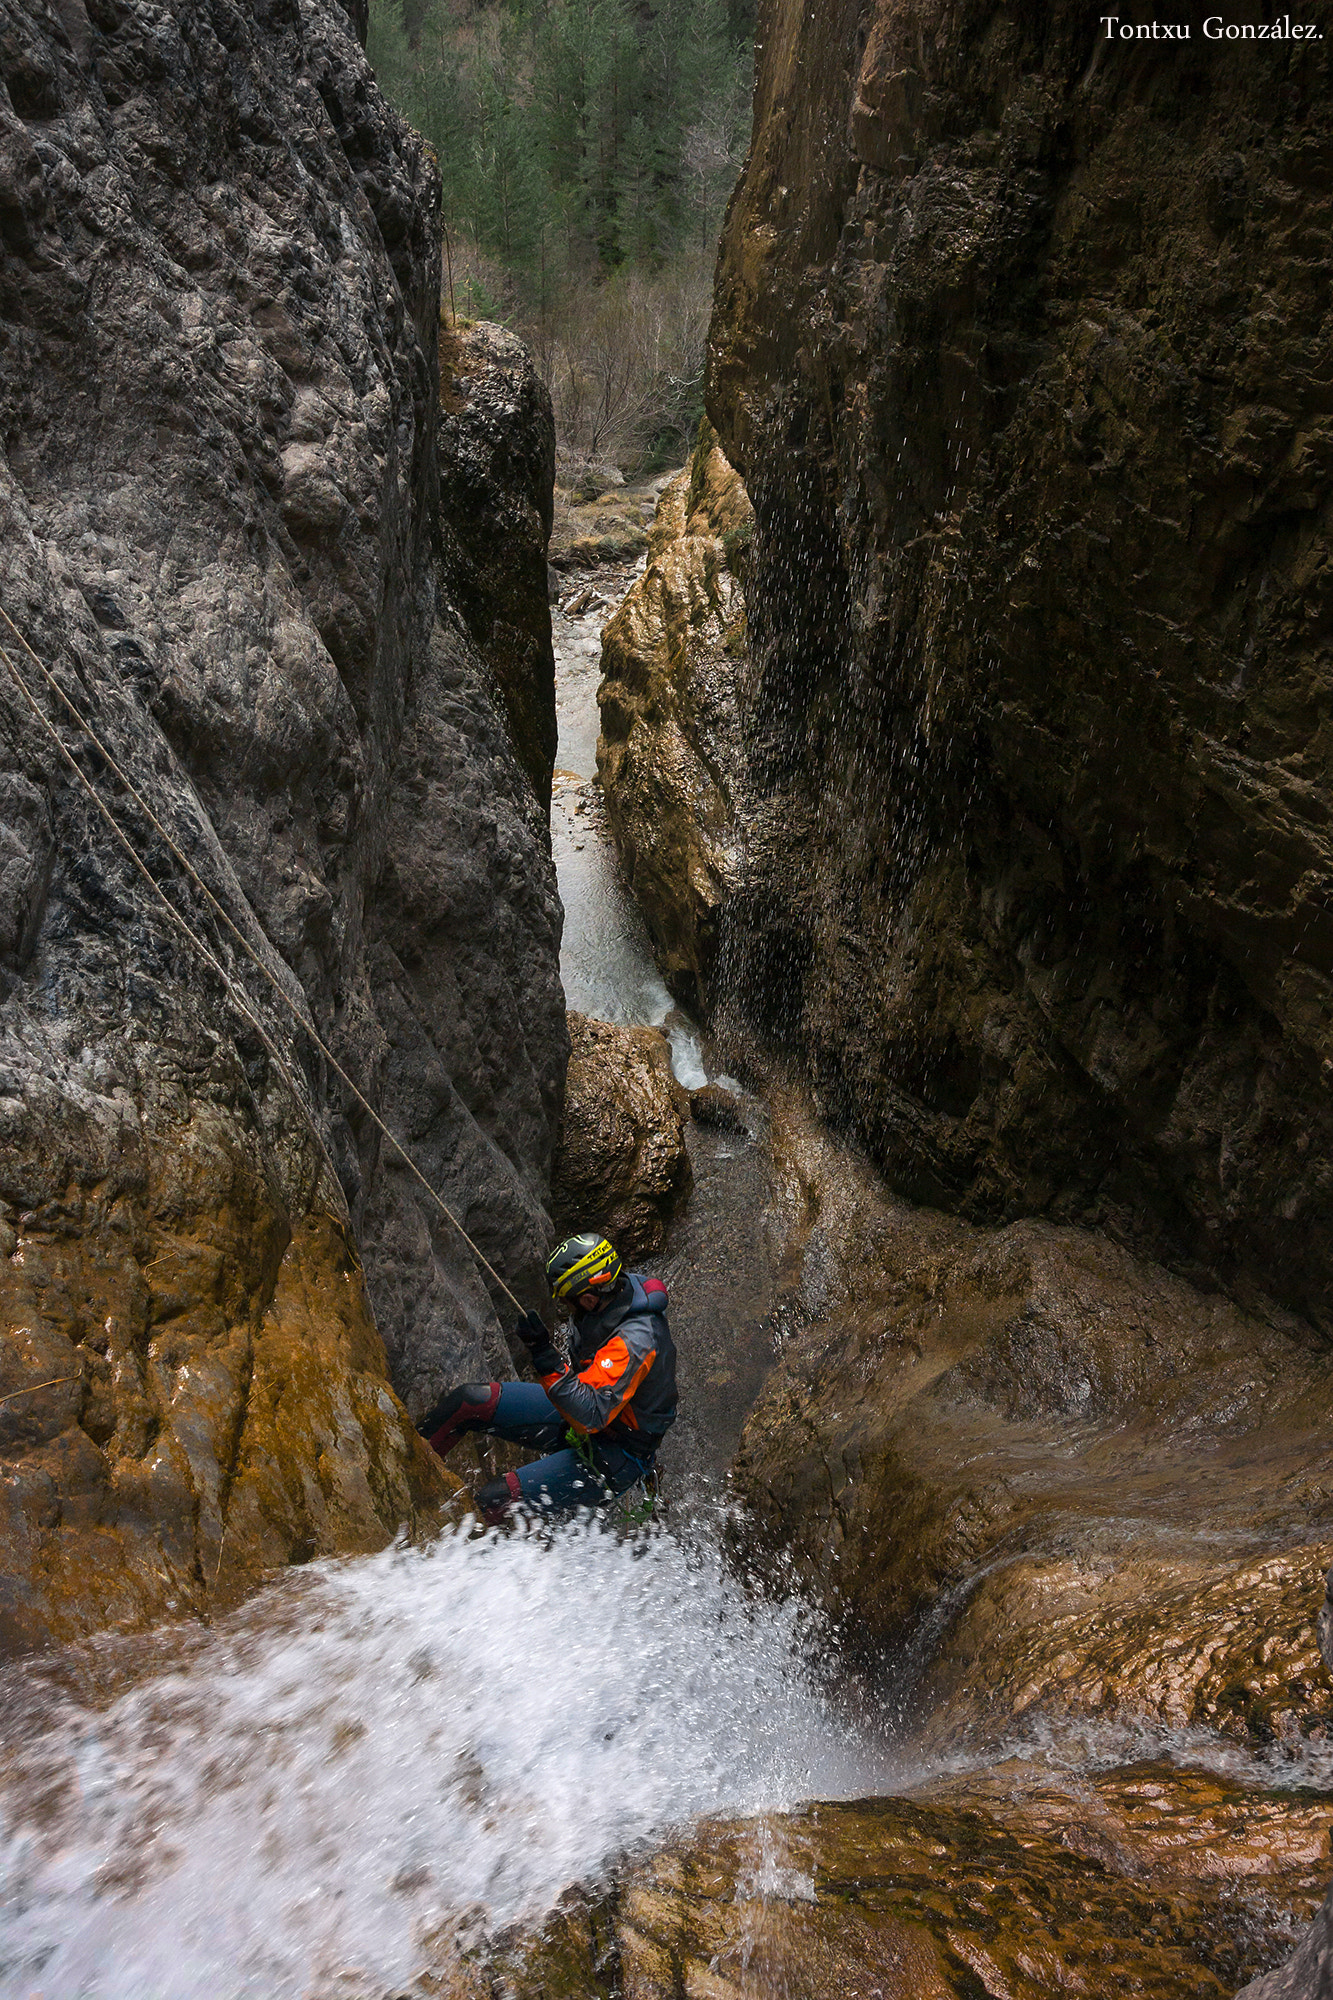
{"x": 531, "y": 1330}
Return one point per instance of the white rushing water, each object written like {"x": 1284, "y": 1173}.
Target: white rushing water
{"x": 390, "y": 1746}
{"x": 606, "y": 958}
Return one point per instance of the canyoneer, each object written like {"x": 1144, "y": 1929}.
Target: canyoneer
{"x": 596, "y": 1418}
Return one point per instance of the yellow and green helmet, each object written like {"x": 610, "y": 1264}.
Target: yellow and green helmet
{"x": 584, "y": 1263}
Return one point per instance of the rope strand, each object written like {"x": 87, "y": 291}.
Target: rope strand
{"x": 54, "y": 1383}
{"x": 224, "y": 915}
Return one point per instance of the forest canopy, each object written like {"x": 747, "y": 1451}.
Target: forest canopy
{"x": 587, "y": 150}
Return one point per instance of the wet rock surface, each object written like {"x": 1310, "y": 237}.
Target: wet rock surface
{"x": 712, "y": 1104}
{"x": 219, "y": 312}
{"x": 670, "y": 756}
{"x": 1308, "y": 1973}
{"x": 1020, "y": 345}
{"x": 966, "y": 1894}
{"x": 621, "y": 1164}
{"x": 1077, "y": 1482}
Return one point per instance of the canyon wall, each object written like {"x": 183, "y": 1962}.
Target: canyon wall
{"x": 1022, "y": 346}
{"x": 219, "y": 321}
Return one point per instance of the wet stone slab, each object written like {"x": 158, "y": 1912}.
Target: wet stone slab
{"x": 991, "y": 1894}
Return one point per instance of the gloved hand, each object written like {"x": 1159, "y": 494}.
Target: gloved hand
{"x": 531, "y": 1330}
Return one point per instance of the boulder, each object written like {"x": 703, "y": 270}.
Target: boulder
{"x": 1025, "y": 371}
{"x": 219, "y": 502}
{"x": 670, "y": 756}
{"x": 713, "y": 1105}
{"x": 1016, "y": 1887}
{"x": 621, "y": 1164}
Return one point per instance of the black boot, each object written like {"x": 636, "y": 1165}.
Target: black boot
{"x": 497, "y": 1497}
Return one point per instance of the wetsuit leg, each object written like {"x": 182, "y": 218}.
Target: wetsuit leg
{"x": 620, "y": 1469}
{"x": 562, "y": 1483}
{"x": 525, "y": 1414}
{"x": 520, "y": 1412}
{"x": 558, "y": 1484}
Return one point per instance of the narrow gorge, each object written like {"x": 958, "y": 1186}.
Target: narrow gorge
{"x": 878, "y": 873}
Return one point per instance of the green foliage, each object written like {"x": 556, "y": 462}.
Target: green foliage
{"x": 574, "y": 136}
{"x": 587, "y": 149}
{"x": 704, "y": 440}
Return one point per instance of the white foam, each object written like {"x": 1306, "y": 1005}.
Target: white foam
{"x": 393, "y": 1744}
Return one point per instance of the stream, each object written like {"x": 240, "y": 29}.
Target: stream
{"x": 381, "y": 1752}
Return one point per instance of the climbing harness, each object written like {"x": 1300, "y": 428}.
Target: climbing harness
{"x": 633, "y": 1513}
{"x": 237, "y": 997}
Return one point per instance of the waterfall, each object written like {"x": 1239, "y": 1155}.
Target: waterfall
{"x": 381, "y": 1749}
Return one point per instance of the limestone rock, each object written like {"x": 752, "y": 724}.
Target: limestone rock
{"x": 669, "y": 757}
{"x": 497, "y": 480}
{"x": 621, "y": 1165}
{"x": 1308, "y": 1973}
{"x": 219, "y": 314}
{"x": 1022, "y": 353}
{"x": 1080, "y": 1483}
{"x": 1011, "y": 1888}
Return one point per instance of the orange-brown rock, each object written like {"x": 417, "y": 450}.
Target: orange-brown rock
{"x": 669, "y": 757}
{"x": 1014, "y": 1889}
{"x": 1111, "y": 1492}
{"x": 220, "y": 1402}
{"x": 621, "y": 1164}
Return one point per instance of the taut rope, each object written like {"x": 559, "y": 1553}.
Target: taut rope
{"x": 237, "y": 998}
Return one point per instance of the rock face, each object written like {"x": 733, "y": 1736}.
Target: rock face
{"x": 1014, "y": 1887}
{"x": 219, "y": 315}
{"x": 497, "y": 481}
{"x": 621, "y": 1163}
{"x": 1308, "y": 1973}
{"x": 1077, "y": 1482}
{"x": 1022, "y": 347}
{"x": 670, "y": 756}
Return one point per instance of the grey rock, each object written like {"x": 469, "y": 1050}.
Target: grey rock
{"x": 497, "y": 479}
{"x": 219, "y": 267}
{"x": 1308, "y": 1973}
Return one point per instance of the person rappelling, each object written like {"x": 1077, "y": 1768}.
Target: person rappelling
{"x": 598, "y": 1417}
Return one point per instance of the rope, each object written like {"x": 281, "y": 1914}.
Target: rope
{"x": 237, "y": 998}
{"x": 54, "y": 1383}
{"x": 234, "y": 993}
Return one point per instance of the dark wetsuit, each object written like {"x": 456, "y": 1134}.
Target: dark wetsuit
{"x": 618, "y": 1392}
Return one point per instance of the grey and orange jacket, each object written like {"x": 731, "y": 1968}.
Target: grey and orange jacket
{"x": 620, "y": 1380}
